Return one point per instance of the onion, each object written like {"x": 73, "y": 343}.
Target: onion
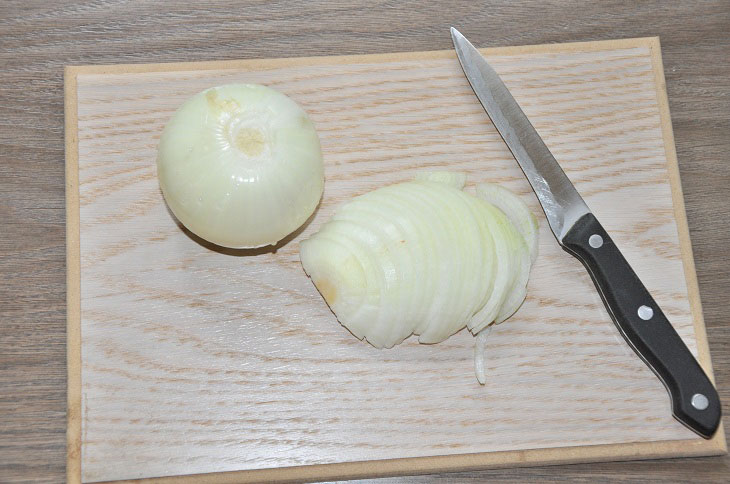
{"x": 480, "y": 349}
{"x": 426, "y": 258}
{"x": 240, "y": 165}
{"x": 515, "y": 209}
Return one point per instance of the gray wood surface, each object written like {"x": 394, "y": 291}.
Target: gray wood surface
{"x": 37, "y": 38}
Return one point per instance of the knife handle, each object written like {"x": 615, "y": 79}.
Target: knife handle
{"x": 642, "y": 323}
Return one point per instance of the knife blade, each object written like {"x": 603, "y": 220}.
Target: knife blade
{"x": 694, "y": 400}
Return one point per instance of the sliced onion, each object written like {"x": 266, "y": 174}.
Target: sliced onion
{"x": 385, "y": 242}
{"x": 505, "y": 238}
{"x": 437, "y": 200}
{"x": 347, "y": 294}
{"x": 518, "y": 290}
{"x": 525, "y": 222}
{"x": 516, "y": 210}
{"x": 420, "y": 240}
{"x": 432, "y": 259}
{"x": 378, "y": 268}
{"x": 480, "y": 360}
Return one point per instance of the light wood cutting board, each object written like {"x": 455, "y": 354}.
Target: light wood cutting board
{"x": 187, "y": 359}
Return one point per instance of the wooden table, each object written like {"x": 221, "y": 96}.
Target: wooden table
{"x": 37, "y": 38}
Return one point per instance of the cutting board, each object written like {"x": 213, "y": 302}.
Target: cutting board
{"x": 187, "y": 359}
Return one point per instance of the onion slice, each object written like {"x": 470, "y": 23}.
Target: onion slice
{"x": 480, "y": 359}
{"x": 516, "y": 210}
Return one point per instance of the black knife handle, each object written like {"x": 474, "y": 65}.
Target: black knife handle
{"x": 641, "y": 321}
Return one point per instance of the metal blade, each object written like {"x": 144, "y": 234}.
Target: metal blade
{"x": 561, "y": 202}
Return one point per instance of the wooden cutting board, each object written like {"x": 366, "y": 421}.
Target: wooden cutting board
{"x": 187, "y": 359}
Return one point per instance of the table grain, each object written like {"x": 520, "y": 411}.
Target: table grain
{"x": 37, "y": 38}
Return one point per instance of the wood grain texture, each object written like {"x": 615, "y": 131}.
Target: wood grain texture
{"x": 235, "y": 350}
{"x": 39, "y": 38}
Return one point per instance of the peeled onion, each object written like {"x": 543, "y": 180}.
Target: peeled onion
{"x": 425, "y": 258}
{"x": 240, "y": 165}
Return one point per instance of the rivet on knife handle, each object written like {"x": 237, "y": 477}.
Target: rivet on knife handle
{"x": 695, "y": 402}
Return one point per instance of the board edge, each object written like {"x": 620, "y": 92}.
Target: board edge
{"x": 73, "y": 280}
{"x": 680, "y": 215}
{"x": 272, "y": 63}
{"x": 447, "y": 463}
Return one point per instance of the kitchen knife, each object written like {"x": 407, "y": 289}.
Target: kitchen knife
{"x": 640, "y": 320}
